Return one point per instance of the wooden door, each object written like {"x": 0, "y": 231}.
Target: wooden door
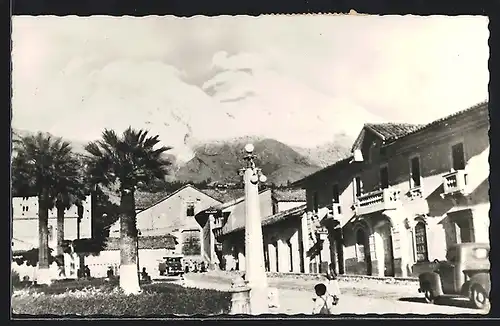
{"x": 385, "y": 233}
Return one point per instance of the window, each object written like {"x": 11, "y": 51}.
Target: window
{"x": 190, "y": 209}
{"x": 415, "y": 176}
{"x": 384, "y": 177}
{"x": 421, "y": 242}
{"x": 191, "y": 243}
{"x": 315, "y": 201}
{"x": 335, "y": 193}
{"x": 358, "y": 187}
{"x": 464, "y": 230}
{"x": 458, "y": 157}
{"x": 360, "y": 245}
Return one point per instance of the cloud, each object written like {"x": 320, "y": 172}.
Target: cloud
{"x": 300, "y": 79}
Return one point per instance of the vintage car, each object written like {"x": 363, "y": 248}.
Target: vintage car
{"x": 172, "y": 265}
{"x": 465, "y": 273}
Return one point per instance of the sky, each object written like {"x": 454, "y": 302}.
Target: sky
{"x": 300, "y": 79}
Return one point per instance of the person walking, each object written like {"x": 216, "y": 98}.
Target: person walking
{"x": 332, "y": 286}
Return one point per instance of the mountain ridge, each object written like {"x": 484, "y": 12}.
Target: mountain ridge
{"x": 221, "y": 160}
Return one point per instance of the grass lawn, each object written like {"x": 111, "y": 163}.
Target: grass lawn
{"x": 96, "y": 297}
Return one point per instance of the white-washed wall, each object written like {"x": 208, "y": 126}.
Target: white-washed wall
{"x": 99, "y": 264}
{"x": 149, "y": 258}
{"x": 286, "y": 205}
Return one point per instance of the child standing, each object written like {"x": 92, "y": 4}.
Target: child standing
{"x": 323, "y": 302}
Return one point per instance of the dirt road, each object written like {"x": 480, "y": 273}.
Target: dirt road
{"x": 360, "y": 297}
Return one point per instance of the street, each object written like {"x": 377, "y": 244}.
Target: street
{"x": 360, "y": 297}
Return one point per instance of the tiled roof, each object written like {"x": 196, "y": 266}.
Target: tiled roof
{"x": 144, "y": 200}
{"x": 148, "y": 242}
{"x": 479, "y": 106}
{"x": 299, "y": 210}
{"x": 289, "y": 194}
{"x": 392, "y": 131}
{"x": 387, "y": 131}
{"x": 225, "y": 195}
{"x": 281, "y": 216}
{"x": 337, "y": 164}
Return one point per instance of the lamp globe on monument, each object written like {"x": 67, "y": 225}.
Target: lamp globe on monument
{"x": 249, "y": 148}
{"x": 255, "y": 273}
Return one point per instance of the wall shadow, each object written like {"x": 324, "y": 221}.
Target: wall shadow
{"x": 458, "y": 302}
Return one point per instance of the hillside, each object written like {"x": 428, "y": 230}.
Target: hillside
{"x": 221, "y": 161}
{"x": 328, "y": 153}
{"x": 78, "y": 146}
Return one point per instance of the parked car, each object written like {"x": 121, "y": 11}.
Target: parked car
{"x": 465, "y": 273}
{"x": 172, "y": 265}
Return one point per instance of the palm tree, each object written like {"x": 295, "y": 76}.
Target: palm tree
{"x": 127, "y": 161}
{"x": 69, "y": 191}
{"x": 39, "y": 163}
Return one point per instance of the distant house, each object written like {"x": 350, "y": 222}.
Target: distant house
{"x": 173, "y": 215}
{"x": 227, "y": 223}
{"x": 152, "y": 249}
{"x": 25, "y": 234}
{"x": 25, "y": 223}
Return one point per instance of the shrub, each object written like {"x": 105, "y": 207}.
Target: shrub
{"x": 155, "y": 300}
{"x": 15, "y": 278}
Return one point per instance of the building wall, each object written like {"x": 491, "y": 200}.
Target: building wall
{"x": 234, "y": 245}
{"x": 170, "y": 214}
{"x": 25, "y": 222}
{"x": 148, "y": 258}
{"x": 286, "y": 205}
{"x": 237, "y": 217}
{"x": 434, "y": 149}
{"x": 282, "y": 246}
{"x": 170, "y": 217}
{"x": 322, "y": 185}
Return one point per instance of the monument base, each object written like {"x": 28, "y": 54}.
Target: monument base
{"x": 259, "y": 301}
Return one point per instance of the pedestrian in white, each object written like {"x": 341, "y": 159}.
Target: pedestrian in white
{"x": 333, "y": 288}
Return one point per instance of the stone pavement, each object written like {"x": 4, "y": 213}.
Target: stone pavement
{"x": 296, "y": 297}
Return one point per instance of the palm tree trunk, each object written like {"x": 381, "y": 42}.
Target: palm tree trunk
{"x": 81, "y": 256}
{"x": 60, "y": 236}
{"x": 60, "y": 230}
{"x": 129, "y": 278}
{"x": 43, "y": 275}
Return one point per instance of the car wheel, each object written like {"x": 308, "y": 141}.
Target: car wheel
{"x": 479, "y": 297}
{"x": 429, "y": 296}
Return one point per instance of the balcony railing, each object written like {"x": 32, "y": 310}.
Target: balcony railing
{"x": 217, "y": 232}
{"x": 455, "y": 182}
{"x": 415, "y": 193}
{"x": 377, "y": 201}
{"x": 217, "y": 223}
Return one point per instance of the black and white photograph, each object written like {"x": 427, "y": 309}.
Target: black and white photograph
{"x": 271, "y": 165}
